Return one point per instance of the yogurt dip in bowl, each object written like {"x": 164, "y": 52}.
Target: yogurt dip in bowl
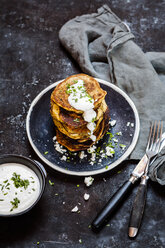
{"x": 22, "y": 183}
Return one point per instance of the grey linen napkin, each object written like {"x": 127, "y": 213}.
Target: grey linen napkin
{"x": 157, "y": 169}
{"x": 103, "y": 46}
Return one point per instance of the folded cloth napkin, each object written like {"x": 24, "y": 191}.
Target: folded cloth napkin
{"x": 103, "y": 46}
{"x": 157, "y": 169}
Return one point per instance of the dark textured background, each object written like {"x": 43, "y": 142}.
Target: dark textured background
{"x": 31, "y": 58}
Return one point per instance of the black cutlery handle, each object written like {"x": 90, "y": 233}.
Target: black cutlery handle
{"x": 138, "y": 209}
{"x": 111, "y": 205}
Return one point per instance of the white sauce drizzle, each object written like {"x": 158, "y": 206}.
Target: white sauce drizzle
{"x": 7, "y": 194}
{"x": 81, "y": 100}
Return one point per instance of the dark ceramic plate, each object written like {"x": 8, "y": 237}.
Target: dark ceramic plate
{"x": 40, "y": 131}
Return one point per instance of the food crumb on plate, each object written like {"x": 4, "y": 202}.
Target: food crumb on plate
{"x": 64, "y": 158}
{"x": 82, "y": 155}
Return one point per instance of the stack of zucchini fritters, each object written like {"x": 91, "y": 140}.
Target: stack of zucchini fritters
{"x": 71, "y": 128}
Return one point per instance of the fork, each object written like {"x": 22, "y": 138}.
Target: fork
{"x": 152, "y": 150}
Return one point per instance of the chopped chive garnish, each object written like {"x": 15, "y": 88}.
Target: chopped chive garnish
{"x": 18, "y": 182}
{"x": 7, "y": 185}
{"x": 51, "y": 183}
{"x": 15, "y": 203}
{"x": 122, "y": 146}
{"x": 76, "y": 120}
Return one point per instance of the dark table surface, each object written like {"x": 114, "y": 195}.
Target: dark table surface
{"x": 31, "y": 58}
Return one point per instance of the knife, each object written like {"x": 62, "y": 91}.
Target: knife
{"x": 111, "y": 205}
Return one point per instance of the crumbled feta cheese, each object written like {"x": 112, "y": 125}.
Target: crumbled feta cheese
{"x": 75, "y": 209}
{"x": 130, "y": 135}
{"x": 88, "y": 181}
{"x": 82, "y": 155}
{"x": 91, "y": 149}
{"x": 64, "y": 158}
{"x": 132, "y": 124}
{"x": 115, "y": 140}
{"x": 80, "y": 241}
{"x": 128, "y": 123}
{"x": 103, "y": 155}
{"x": 112, "y": 123}
{"x": 54, "y": 138}
{"x": 86, "y": 197}
{"x": 93, "y": 157}
{"x": 109, "y": 151}
{"x": 59, "y": 148}
{"x": 100, "y": 160}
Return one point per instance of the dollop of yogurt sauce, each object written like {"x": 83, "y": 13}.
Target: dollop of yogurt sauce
{"x": 81, "y": 100}
{"x": 19, "y": 188}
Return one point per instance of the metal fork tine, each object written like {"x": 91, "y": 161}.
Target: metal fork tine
{"x": 153, "y": 136}
{"x": 155, "y": 145}
{"x": 156, "y": 136}
{"x": 157, "y": 133}
{"x": 160, "y": 135}
{"x": 149, "y": 139}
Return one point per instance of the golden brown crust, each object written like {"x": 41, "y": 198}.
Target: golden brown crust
{"x": 68, "y": 117}
{"x": 60, "y": 96}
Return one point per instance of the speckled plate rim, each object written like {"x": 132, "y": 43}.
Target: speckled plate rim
{"x": 94, "y": 172}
